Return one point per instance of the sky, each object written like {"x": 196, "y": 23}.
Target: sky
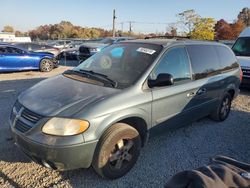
{"x": 148, "y": 15}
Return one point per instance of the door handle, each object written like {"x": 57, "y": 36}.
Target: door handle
{"x": 191, "y": 94}
{"x": 201, "y": 91}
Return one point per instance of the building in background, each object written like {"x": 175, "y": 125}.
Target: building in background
{"x": 10, "y": 37}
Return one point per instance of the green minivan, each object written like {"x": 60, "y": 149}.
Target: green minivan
{"x": 100, "y": 113}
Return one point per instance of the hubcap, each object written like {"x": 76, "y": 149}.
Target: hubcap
{"x": 47, "y": 65}
{"x": 225, "y": 107}
{"x": 121, "y": 154}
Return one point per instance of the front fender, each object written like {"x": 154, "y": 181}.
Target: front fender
{"x": 100, "y": 124}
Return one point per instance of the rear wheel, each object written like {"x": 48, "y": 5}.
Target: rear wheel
{"x": 223, "y": 109}
{"x": 117, "y": 151}
{"x": 46, "y": 65}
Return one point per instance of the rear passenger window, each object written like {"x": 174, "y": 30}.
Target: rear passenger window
{"x": 204, "y": 60}
{"x": 227, "y": 58}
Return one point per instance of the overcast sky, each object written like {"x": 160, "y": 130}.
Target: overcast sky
{"x": 27, "y": 14}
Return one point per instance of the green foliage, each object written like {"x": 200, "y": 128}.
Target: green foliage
{"x": 203, "y": 29}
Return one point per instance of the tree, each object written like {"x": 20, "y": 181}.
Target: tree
{"x": 244, "y": 16}
{"x": 203, "y": 29}
{"x": 19, "y": 34}
{"x": 8, "y": 28}
{"x": 188, "y": 19}
{"x": 223, "y": 30}
{"x": 237, "y": 27}
{"x": 226, "y": 31}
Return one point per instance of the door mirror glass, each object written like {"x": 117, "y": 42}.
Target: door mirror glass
{"x": 163, "y": 79}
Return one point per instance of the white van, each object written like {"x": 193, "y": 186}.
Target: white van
{"x": 241, "y": 49}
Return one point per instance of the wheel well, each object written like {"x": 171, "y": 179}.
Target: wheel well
{"x": 231, "y": 92}
{"x": 140, "y": 125}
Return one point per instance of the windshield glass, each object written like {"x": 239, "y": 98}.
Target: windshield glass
{"x": 123, "y": 63}
{"x": 242, "y": 46}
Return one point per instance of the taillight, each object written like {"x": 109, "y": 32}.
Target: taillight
{"x": 241, "y": 74}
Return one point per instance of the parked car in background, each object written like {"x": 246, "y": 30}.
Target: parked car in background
{"x": 241, "y": 49}
{"x": 88, "y": 49}
{"x": 61, "y": 44}
{"x": 70, "y": 53}
{"x": 34, "y": 47}
{"x": 13, "y": 58}
{"x": 100, "y": 113}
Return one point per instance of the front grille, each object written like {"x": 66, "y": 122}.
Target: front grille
{"x": 23, "y": 118}
{"x": 31, "y": 116}
{"x": 246, "y": 72}
{"x": 22, "y": 127}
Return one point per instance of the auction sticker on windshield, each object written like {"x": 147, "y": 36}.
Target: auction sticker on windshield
{"x": 146, "y": 50}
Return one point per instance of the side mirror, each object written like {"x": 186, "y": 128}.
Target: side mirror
{"x": 163, "y": 79}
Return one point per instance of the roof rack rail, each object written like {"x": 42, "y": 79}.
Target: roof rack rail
{"x": 167, "y": 37}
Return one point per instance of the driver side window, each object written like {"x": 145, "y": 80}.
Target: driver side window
{"x": 11, "y": 50}
{"x": 175, "y": 62}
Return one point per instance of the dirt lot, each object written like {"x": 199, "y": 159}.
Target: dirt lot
{"x": 165, "y": 154}
{"x": 32, "y": 74}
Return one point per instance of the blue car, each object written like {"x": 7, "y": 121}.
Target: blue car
{"x": 13, "y": 58}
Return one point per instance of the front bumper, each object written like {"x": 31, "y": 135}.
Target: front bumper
{"x": 58, "y": 158}
{"x": 55, "y": 62}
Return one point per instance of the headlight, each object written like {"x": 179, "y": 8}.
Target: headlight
{"x": 65, "y": 127}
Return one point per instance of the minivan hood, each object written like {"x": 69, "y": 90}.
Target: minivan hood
{"x": 244, "y": 61}
{"x": 62, "y": 96}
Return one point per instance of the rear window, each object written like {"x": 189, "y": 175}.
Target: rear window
{"x": 227, "y": 58}
{"x": 204, "y": 60}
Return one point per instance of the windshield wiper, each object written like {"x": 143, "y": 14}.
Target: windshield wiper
{"x": 98, "y": 75}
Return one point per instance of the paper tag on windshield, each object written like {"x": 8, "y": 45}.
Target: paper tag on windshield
{"x": 146, "y": 50}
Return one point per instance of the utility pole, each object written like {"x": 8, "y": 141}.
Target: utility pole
{"x": 122, "y": 26}
{"x": 130, "y": 28}
{"x": 114, "y": 17}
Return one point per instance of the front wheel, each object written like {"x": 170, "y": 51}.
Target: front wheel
{"x": 46, "y": 65}
{"x": 117, "y": 151}
{"x": 223, "y": 109}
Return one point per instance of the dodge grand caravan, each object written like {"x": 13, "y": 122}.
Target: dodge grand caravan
{"x": 99, "y": 113}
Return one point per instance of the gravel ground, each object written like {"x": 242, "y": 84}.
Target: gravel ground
{"x": 163, "y": 156}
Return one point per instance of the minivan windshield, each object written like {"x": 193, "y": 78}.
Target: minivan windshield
{"x": 242, "y": 46}
{"x": 122, "y": 63}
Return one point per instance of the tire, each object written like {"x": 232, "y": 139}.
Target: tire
{"x": 117, "y": 151}
{"x": 222, "y": 111}
{"x": 46, "y": 65}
